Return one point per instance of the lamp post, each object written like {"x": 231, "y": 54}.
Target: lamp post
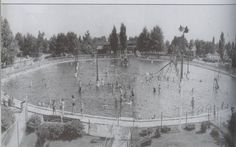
{"x": 97, "y": 78}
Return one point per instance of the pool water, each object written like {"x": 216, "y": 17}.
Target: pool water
{"x": 59, "y": 81}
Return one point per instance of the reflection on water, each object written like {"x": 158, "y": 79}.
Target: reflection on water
{"x": 58, "y": 82}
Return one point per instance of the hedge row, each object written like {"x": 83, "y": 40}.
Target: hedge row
{"x": 60, "y": 131}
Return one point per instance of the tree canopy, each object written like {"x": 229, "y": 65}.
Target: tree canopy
{"x": 221, "y": 45}
{"x": 113, "y": 39}
{"x": 9, "y": 45}
{"x": 153, "y": 41}
{"x": 123, "y": 37}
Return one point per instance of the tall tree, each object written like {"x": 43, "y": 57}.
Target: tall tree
{"x": 72, "y": 42}
{"x": 123, "y": 37}
{"x": 87, "y": 45}
{"x": 179, "y": 44}
{"x": 20, "y": 40}
{"x": 41, "y": 43}
{"x": 113, "y": 39}
{"x": 30, "y": 46}
{"x": 229, "y": 50}
{"x": 167, "y": 44}
{"x": 213, "y": 46}
{"x": 53, "y": 45}
{"x": 221, "y": 45}
{"x": 156, "y": 39}
{"x": 191, "y": 44}
{"x": 61, "y": 43}
{"x": 9, "y": 45}
{"x": 143, "y": 40}
{"x": 234, "y": 54}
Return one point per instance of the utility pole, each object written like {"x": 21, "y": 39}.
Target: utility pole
{"x": 97, "y": 79}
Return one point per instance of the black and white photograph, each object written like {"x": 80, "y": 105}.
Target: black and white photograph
{"x": 122, "y": 73}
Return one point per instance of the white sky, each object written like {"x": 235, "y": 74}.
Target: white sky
{"x": 204, "y": 21}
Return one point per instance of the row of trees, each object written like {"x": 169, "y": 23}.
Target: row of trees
{"x": 30, "y": 45}
{"x": 225, "y": 50}
{"x": 58, "y": 44}
{"x": 116, "y": 39}
{"x": 150, "y": 41}
{"x": 70, "y": 43}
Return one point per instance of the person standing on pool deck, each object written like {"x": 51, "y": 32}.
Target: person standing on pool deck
{"x": 53, "y": 106}
{"x": 81, "y": 109}
{"x": 73, "y": 103}
{"x": 159, "y": 89}
{"x": 192, "y": 104}
{"x": 154, "y": 90}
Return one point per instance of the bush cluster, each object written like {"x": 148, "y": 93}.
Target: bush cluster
{"x": 203, "y": 128}
{"x": 7, "y": 118}
{"x": 215, "y": 133}
{"x": 33, "y": 123}
{"x": 165, "y": 129}
{"x": 56, "y": 118}
{"x": 72, "y": 130}
{"x": 60, "y": 131}
{"x": 189, "y": 127}
{"x": 157, "y": 133}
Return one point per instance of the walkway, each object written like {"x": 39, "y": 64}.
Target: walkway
{"x": 18, "y": 131}
{"x": 125, "y": 121}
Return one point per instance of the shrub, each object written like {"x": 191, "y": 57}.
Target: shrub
{"x": 214, "y": 133}
{"x": 93, "y": 140}
{"x": 189, "y": 127}
{"x": 33, "y": 123}
{"x": 72, "y": 130}
{"x": 50, "y": 131}
{"x": 165, "y": 129}
{"x": 7, "y": 118}
{"x": 157, "y": 133}
{"x": 144, "y": 133}
{"x": 229, "y": 140}
{"x": 56, "y": 118}
{"x": 60, "y": 131}
{"x": 204, "y": 127}
{"x": 146, "y": 143}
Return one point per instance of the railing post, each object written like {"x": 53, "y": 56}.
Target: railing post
{"x": 214, "y": 111}
{"x": 161, "y": 119}
{"x": 186, "y": 117}
{"x": 26, "y": 109}
{"x": 208, "y": 115}
{"x": 88, "y": 127}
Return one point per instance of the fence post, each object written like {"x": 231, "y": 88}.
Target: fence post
{"x": 208, "y": 115}
{"x": 26, "y": 109}
{"x": 214, "y": 111}
{"x": 88, "y": 126}
{"x": 161, "y": 120}
{"x": 186, "y": 118}
{"x": 17, "y": 129}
